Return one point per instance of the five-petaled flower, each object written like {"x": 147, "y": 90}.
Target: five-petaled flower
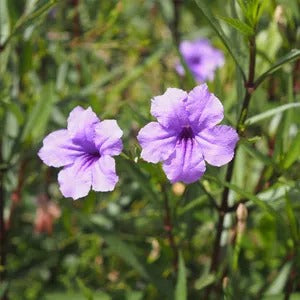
{"x": 186, "y": 134}
{"x": 85, "y": 150}
{"x": 201, "y": 58}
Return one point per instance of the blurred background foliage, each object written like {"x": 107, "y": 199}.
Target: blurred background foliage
{"x": 115, "y": 56}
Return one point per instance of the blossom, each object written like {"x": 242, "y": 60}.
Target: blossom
{"x": 186, "y": 134}
{"x": 201, "y": 58}
{"x": 85, "y": 150}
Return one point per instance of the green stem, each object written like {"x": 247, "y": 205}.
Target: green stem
{"x": 2, "y": 232}
{"x": 168, "y": 226}
{"x": 240, "y": 129}
{"x": 175, "y": 24}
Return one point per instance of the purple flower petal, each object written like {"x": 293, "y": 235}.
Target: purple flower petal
{"x": 201, "y": 58}
{"x": 169, "y": 109}
{"x": 59, "y": 150}
{"x": 190, "y": 124}
{"x": 81, "y": 126}
{"x": 108, "y": 138}
{"x": 104, "y": 176}
{"x": 204, "y": 109}
{"x": 82, "y": 149}
{"x": 75, "y": 180}
{"x": 157, "y": 143}
{"x": 217, "y": 144}
{"x": 186, "y": 163}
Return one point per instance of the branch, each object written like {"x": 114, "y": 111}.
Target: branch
{"x": 168, "y": 226}
{"x": 224, "y": 209}
{"x": 175, "y": 24}
{"x": 2, "y": 233}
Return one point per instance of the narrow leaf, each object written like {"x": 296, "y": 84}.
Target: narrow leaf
{"x": 204, "y": 281}
{"x": 263, "y": 205}
{"x": 27, "y": 19}
{"x": 278, "y": 284}
{"x": 136, "y": 172}
{"x": 291, "y": 56}
{"x": 3, "y": 287}
{"x": 125, "y": 252}
{"x": 192, "y": 205}
{"x": 181, "y": 285}
{"x": 271, "y": 112}
{"x": 249, "y": 196}
{"x": 257, "y": 154}
{"x": 292, "y": 219}
{"x": 4, "y": 22}
{"x": 38, "y": 117}
{"x": 217, "y": 28}
{"x": 293, "y": 153}
{"x": 242, "y": 27}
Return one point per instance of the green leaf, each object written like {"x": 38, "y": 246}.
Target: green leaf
{"x": 113, "y": 96}
{"x": 217, "y": 28}
{"x": 63, "y": 295}
{"x": 140, "y": 69}
{"x": 87, "y": 293}
{"x": 38, "y": 117}
{"x": 15, "y": 109}
{"x": 243, "y": 6}
{"x": 293, "y": 153}
{"x": 242, "y": 27}
{"x": 252, "y": 9}
{"x": 263, "y": 205}
{"x": 204, "y": 281}
{"x": 291, "y": 56}
{"x": 192, "y": 204}
{"x": 278, "y": 284}
{"x": 134, "y": 295}
{"x": 28, "y": 18}
{"x": 181, "y": 285}
{"x": 253, "y": 198}
{"x": 101, "y": 221}
{"x": 292, "y": 219}
{"x": 61, "y": 76}
{"x": 124, "y": 251}
{"x": 96, "y": 85}
{"x": 3, "y": 285}
{"x": 257, "y": 154}
{"x": 4, "y": 21}
{"x": 270, "y": 113}
{"x": 135, "y": 171}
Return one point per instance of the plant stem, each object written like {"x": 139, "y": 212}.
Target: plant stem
{"x": 76, "y": 21}
{"x": 168, "y": 226}
{"x": 175, "y": 24}
{"x": 249, "y": 85}
{"x": 290, "y": 284}
{"x": 2, "y": 232}
{"x": 240, "y": 129}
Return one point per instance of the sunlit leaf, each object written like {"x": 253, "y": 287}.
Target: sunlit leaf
{"x": 239, "y": 25}
{"x": 293, "y": 152}
{"x": 271, "y": 112}
{"x": 291, "y": 56}
{"x": 217, "y": 28}
{"x": 181, "y": 285}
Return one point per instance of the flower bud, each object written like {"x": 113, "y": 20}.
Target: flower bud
{"x": 242, "y": 212}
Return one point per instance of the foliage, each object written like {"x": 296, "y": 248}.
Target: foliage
{"x": 115, "y": 56}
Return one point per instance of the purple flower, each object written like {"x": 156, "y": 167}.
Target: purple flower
{"x": 187, "y": 134}
{"x": 201, "y": 58}
{"x": 85, "y": 150}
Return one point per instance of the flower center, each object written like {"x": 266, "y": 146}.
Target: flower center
{"x": 94, "y": 153}
{"x": 186, "y": 133}
{"x": 195, "y": 60}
